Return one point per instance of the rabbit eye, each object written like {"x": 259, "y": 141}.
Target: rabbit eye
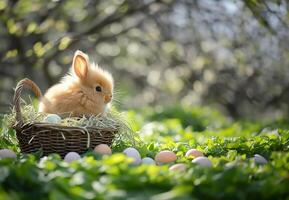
{"x": 98, "y": 89}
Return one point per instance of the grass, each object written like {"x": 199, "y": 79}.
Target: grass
{"x": 230, "y": 145}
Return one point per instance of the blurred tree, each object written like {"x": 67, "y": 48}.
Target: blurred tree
{"x": 230, "y": 54}
{"x": 38, "y": 36}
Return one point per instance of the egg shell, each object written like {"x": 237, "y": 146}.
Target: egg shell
{"x": 133, "y": 153}
{"x": 71, "y": 156}
{"x": 7, "y": 153}
{"x": 194, "y": 153}
{"x": 202, "y": 161}
{"x": 103, "y": 149}
{"x": 230, "y": 164}
{"x": 148, "y": 161}
{"x": 52, "y": 118}
{"x": 178, "y": 167}
{"x": 164, "y": 157}
{"x": 275, "y": 132}
{"x": 260, "y": 159}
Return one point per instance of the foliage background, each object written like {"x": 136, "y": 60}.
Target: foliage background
{"x": 229, "y": 54}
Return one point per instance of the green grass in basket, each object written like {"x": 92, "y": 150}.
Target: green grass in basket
{"x": 110, "y": 120}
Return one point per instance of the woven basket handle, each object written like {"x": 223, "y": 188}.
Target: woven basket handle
{"x": 16, "y": 99}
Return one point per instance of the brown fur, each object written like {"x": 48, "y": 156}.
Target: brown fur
{"x": 75, "y": 95}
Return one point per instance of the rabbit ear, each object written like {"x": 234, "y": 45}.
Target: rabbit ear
{"x": 80, "y": 64}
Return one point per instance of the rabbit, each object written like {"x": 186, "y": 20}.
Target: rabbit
{"x": 86, "y": 90}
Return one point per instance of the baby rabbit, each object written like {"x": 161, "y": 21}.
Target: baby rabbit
{"x": 86, "y": 90}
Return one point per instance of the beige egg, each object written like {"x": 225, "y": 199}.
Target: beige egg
{"x": 103, "y": 149}
{"x": 164, "y": 157}
{"x": 194, "y": 153}
{"x": 178, "y": 167}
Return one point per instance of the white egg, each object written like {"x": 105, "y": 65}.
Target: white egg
{"x": 165, "y": 157}
{"x": 148, "y": 161}
{"x": 230, "y": 164}
{"x": 103, "y": 149}
{"x": 260, "y": 159}
{"x": 133, "y": 153}
{"x": 52, "y": 118}
{"x": 71, "y": 156}
{"x": 7, "y": 153}
{"x": 203, "y": 161}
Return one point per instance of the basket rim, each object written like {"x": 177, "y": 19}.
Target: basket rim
{"x": 60, "y": 126}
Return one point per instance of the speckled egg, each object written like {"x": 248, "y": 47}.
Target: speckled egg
{"x": 133, "y": 153}
{"x": 71, "y": 156}
{"x": 178, "y": 167}
{"x": 103, "y": 149}
{"x": 203, "y": 161}
{"x": 260, "y": 159}
{"x": 7, "y": 153}
{"x": 148, "y": 161}
{"x": 164, "y": 157}
{"x": 52, "y": 118}
{"x": 194, "y": 153}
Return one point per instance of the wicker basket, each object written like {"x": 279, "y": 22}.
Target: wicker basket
{"x": 55, "y": 138}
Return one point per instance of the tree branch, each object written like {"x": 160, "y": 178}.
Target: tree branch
{"x": 98, "y": 26}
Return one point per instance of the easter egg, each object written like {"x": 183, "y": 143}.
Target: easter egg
{"x": 194, "y": 153}
{"x": 103, "y": 149}
{"x": 260, "y": 159}
{"x": 133, "y": 153}
{"x": 202, "y": 161}
{"x": 148, "y": 161}
{"x": 7, "y": 153}
{"x": 230, "y": 164}
{"x": 71, "y": 156}
{"x": 52, "y": 118}
{"x": 178, "y": 167}
{"x": 164, "y": 157}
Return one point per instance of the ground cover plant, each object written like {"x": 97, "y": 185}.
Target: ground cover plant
{"x": 230, "y": 145}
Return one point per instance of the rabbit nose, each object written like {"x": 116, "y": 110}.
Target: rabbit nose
{"x": 107, "y": 98}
